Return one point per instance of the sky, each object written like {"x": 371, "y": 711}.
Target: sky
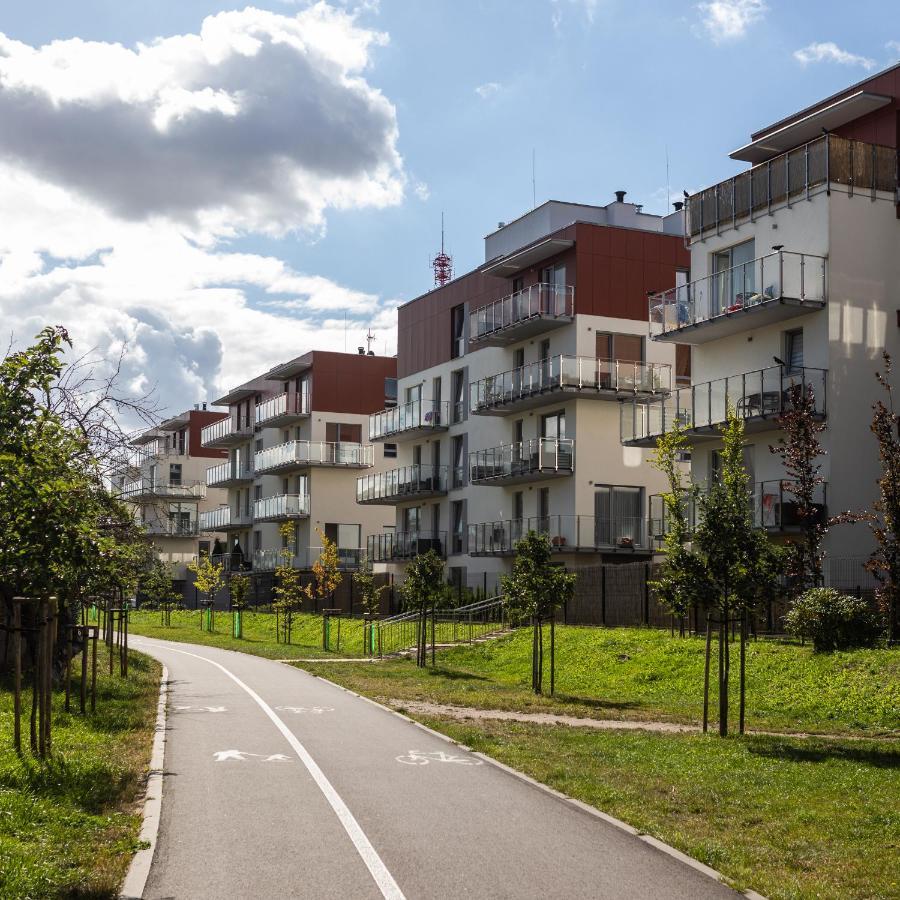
{"x": 218, "y": 187}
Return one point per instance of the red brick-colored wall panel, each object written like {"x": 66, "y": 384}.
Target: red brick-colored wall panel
{"x": 198, "y": 419}
{"x": 349, "y": 382}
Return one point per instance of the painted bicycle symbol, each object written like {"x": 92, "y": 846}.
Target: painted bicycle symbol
{"x": 423, "y": 758}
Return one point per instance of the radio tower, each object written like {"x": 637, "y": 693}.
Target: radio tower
{"x": 442, "y": 263}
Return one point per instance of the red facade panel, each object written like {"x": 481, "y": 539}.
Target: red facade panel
{"x": 349, "y": 382}
{"x": 197, "y": 420}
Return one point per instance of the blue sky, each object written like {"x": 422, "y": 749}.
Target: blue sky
{"x": 600, "y": 90}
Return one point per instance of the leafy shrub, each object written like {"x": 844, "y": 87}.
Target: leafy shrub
{"x": 833, "y": 621}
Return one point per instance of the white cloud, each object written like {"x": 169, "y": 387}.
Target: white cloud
{"x": 257, "y": 122}
{"x": 828, "y": 51}
{"x": 728, "y": 20}
{"x": 488, "y": 89}
{"x": 423, "y": 192}
{"x": 124, "y": 172}
{"x": 893, "y": 46}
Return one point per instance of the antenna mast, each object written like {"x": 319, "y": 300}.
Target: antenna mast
{"x": 442, "y": 263}
{"x": 369, "y": 339}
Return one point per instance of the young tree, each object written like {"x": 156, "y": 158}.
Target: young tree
{"x": 156, "y": 585}
{"x": 740, "y": 564}
{"x": 536, "y": 588}
{"x": 369, "y": 592}
{"x": 327, "y": 575}
{"x": 884, "y": 562}
{"x": 423, "y": 589}
{"x": 289, "y": 590}
{"x": 209, "y": 579}
{"x": 238, "y": 589}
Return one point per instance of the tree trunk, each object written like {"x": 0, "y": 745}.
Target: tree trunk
{"x": 706, "y": 675}
{"x": 743, "y": 668}
{"x": 724, "y": 664}
{"x": 534, "y": 656}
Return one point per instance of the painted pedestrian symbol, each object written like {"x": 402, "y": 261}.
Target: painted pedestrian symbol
{"x": 423, "y": 758}
{"x": 299, "y": 710}
{"x": 244, "y": 756}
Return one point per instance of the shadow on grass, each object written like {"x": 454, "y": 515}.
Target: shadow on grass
{"x": 823, "y": 751}
{"x": 595, "y": 702}
{"x": 456, "y": 675}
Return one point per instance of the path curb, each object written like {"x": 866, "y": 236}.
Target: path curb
{"x": 139, "y": 870}
{"x": 570, "y": 801}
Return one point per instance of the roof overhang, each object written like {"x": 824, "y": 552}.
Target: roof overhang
{"x": 786, "y": 137}
{"x": 290, "y": 369}
{"x": 175, "y": 422}
{"x": 507, "y": 266}
{"x": 146, "y": 437}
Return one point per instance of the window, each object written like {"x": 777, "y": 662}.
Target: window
{"x": 390, "y": 451}
{"x": 257, "y": 540}
{"x": 793, "y": 349}
{"x": 518, "y": 284}
{"x": 390, "y": 392}
{"x": 203, "y": 548}
{"x": 735, "y": 277}
{"x": 175, "y": 473}
{"x": 458, "y": 526}
{"x": 257, "y": 492}
{"x": 715, "y": 464}
{"x": 258, "y": 444}
{"x": 627, "y": 347}
{"x": 457, "y": 331}
{"x": 458, "y": 461}
{"x": 417, "y": 455}
{"x": 519, "y": 357}
{"x": 413, "y": 393}
{"x": 458, "y": 400}
{"x": 435, "y": 519}
{"x": 182, "y": 441}
{"x": 683, "y": 364}
{"x": 518, "y": 506}
{"x": 411, "y": 520}
{"x": 435, "y": 457}
{"x": 544, "y": 510}
{"x": 342, "y": 432}
{"x": 554, "y": 425}
{"x": 618, "y": 516}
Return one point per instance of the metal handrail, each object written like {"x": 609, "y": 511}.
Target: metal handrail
{"x": 408, "y": 416}
{"x": 781, "y": 275}
{"x": 281, "y": 506}
{"x": 332, "y": 453}
{"x": 286, "y": 403}
{"x": 164, "y": 488}
{"x": 414, "y": 479}
{"x": 222, "y": 517}
{"x": 542, "y": 299}
{"x": 522, "y": 458}
{"x": 571, "y": 533}
{"x": 397, "y": 545}
{"x": 223, "y": 428}
{"x": 226, "y": 471}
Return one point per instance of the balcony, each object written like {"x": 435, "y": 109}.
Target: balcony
{"x": 778, "y": 286}
{"x": 418, "y": 482}
{"x": 409, "y": 420}
{"x": 825, "y": 163}
{"x": 228, "y": 474}
{"x": 534, "y": 460}
{"x": 172, "y": 528}
{"x": 283, "y": 409}
{"x": 567, "y": 534}
{"x": 758, "y": 397}
{"x": 148, "y": 489}
{"x": 533, "y": 310}
{"x": 567, "y": 377}
{"x": 399, "y": 546}
{"x": 773, "y": 505}
{"x": 225, "y": 433}
{"x": 266, "y": 560}
{"x": 223, "y": 519}
{"x": 149, "y": 452}
{"x": 301, "y": 454}
{"x": 281, "y": 507}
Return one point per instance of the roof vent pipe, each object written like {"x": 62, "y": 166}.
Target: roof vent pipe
{"x": 371, "y": 353}
{"x": 204, "y": 407}
{"x": 361, "y": 351}
{"x": 620, "y": 196}
{"x": 501, "y": 225}
{"x": 679, "y": 205}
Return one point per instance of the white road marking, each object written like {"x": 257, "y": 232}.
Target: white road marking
{"x": 389, "y": 888}
{"x": 422, "y": 758}
{"x": 212, "y": 709}
{"x": 315, "y": 710}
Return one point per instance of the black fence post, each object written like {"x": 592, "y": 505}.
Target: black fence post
{"x": 602, "y": 595}
{"x": 646, "y": 593}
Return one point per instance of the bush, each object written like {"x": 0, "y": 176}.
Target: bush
{"x": 833, "y": 621}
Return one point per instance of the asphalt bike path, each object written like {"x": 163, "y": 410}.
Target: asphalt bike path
{"x": 279, "y": 784}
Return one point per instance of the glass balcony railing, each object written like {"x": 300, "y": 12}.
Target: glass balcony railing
{"x": 225, "y": 432}
{"x": 172, "y": 528}
{"x": 148, "y": 487}
{"x": 758, "y": 397}
{"x": 550, "y": 302}
{"x": 282, "y": 407}
{"x": 394, "y": 546}
{"x": 539, "y": 457}
{"x": 567, "y": 534}
{"x": 408, "y": 419}
{"x": 349, "y": 558}
{"x": 293, "y": 454}
{"x": 580, "y": 375}
{"x": 783, "y": 278}
{"x": 405, "y": 482}
{"x": 281, "y": 506}
{"x": 222, "y": 518}
{"x": 227, "y": 473}
{"x": 148, "y": 452}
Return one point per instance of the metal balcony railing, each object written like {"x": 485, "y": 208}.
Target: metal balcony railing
{"x": 286, "y": 405}
{"x": 574, "y": 374}
{"x": 293, "y": 454}
{"x": 758, "y": 396}
{"x": 227, "y": 472}
{"x": 173, "y": 528}
{"x": 281, "y": 506}
{"x": 538, "y": 301}
{"x": 224, "y": 431}
{"x": 567, "y": 534}
{"x": 148, "y": 452}
{"x": 349, "y": 558}
{"x": 224, "y": 517}
{"x": 798, "y": 174}
{"x": 404, "y": 482}
{"x": 148, "y": 487}
{"x": 391, "y": 546}
{"x": 780, "y": 277}
{"x": 409, "y": 418}
{"x": 539, "y": 457}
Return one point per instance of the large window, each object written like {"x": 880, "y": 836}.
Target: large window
{"x": 793, "y": 349}
{"x": 458, "y": 449}
{"x": 619, "y": 516}
{"x": 458, "y": 526}
{"x": 390, "y": 392}
{"x": 735, "y": 277}
{"x": 457, "y": 331}
{"x": 554, "y": 425}
{"x": 343, "y": 432}
{"x": 458, "y": 400}
{"x": 626, "y": 347}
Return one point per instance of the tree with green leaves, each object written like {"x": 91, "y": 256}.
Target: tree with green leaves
{"x": 423, "y": 589}
{"x": 157, "y": 588}
{"x": 289, "y": 590}
{"x": 326, "y": 569}
{"x": 238, "y": 591}
{"x": 209, "y": 579}
{"x": 535, "y": 590}
{"x": 369, "y": 592}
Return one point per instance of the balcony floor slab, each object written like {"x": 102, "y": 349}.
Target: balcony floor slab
{"x": 521, "y": 331}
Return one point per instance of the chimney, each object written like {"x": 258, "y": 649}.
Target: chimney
{"x": 204, "y": 407}
{"x": 620, "y": 196}
{"x": 196, "y": 406}
{"x": 679, "y": 205}
{"x": 361, "y": 351}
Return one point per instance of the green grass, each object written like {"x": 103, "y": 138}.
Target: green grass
{"x": 68, "y": 826}
{"x": 259, "y": 633}
{"x": 646, "y": 674}
{"x": 790, "y": 818}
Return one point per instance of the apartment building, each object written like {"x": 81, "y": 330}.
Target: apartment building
{"x": 165, "y": 481}
{"x": 793, "y": 282}
{"x": 293, "y": 441}
{"x": 509, "y": 382}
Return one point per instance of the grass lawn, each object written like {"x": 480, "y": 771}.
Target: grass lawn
{"x": 790, "y": 818}
{"x": 68, "y": 826}
{"x": 635, "y": 673}
{"x": 259, "y": 633}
